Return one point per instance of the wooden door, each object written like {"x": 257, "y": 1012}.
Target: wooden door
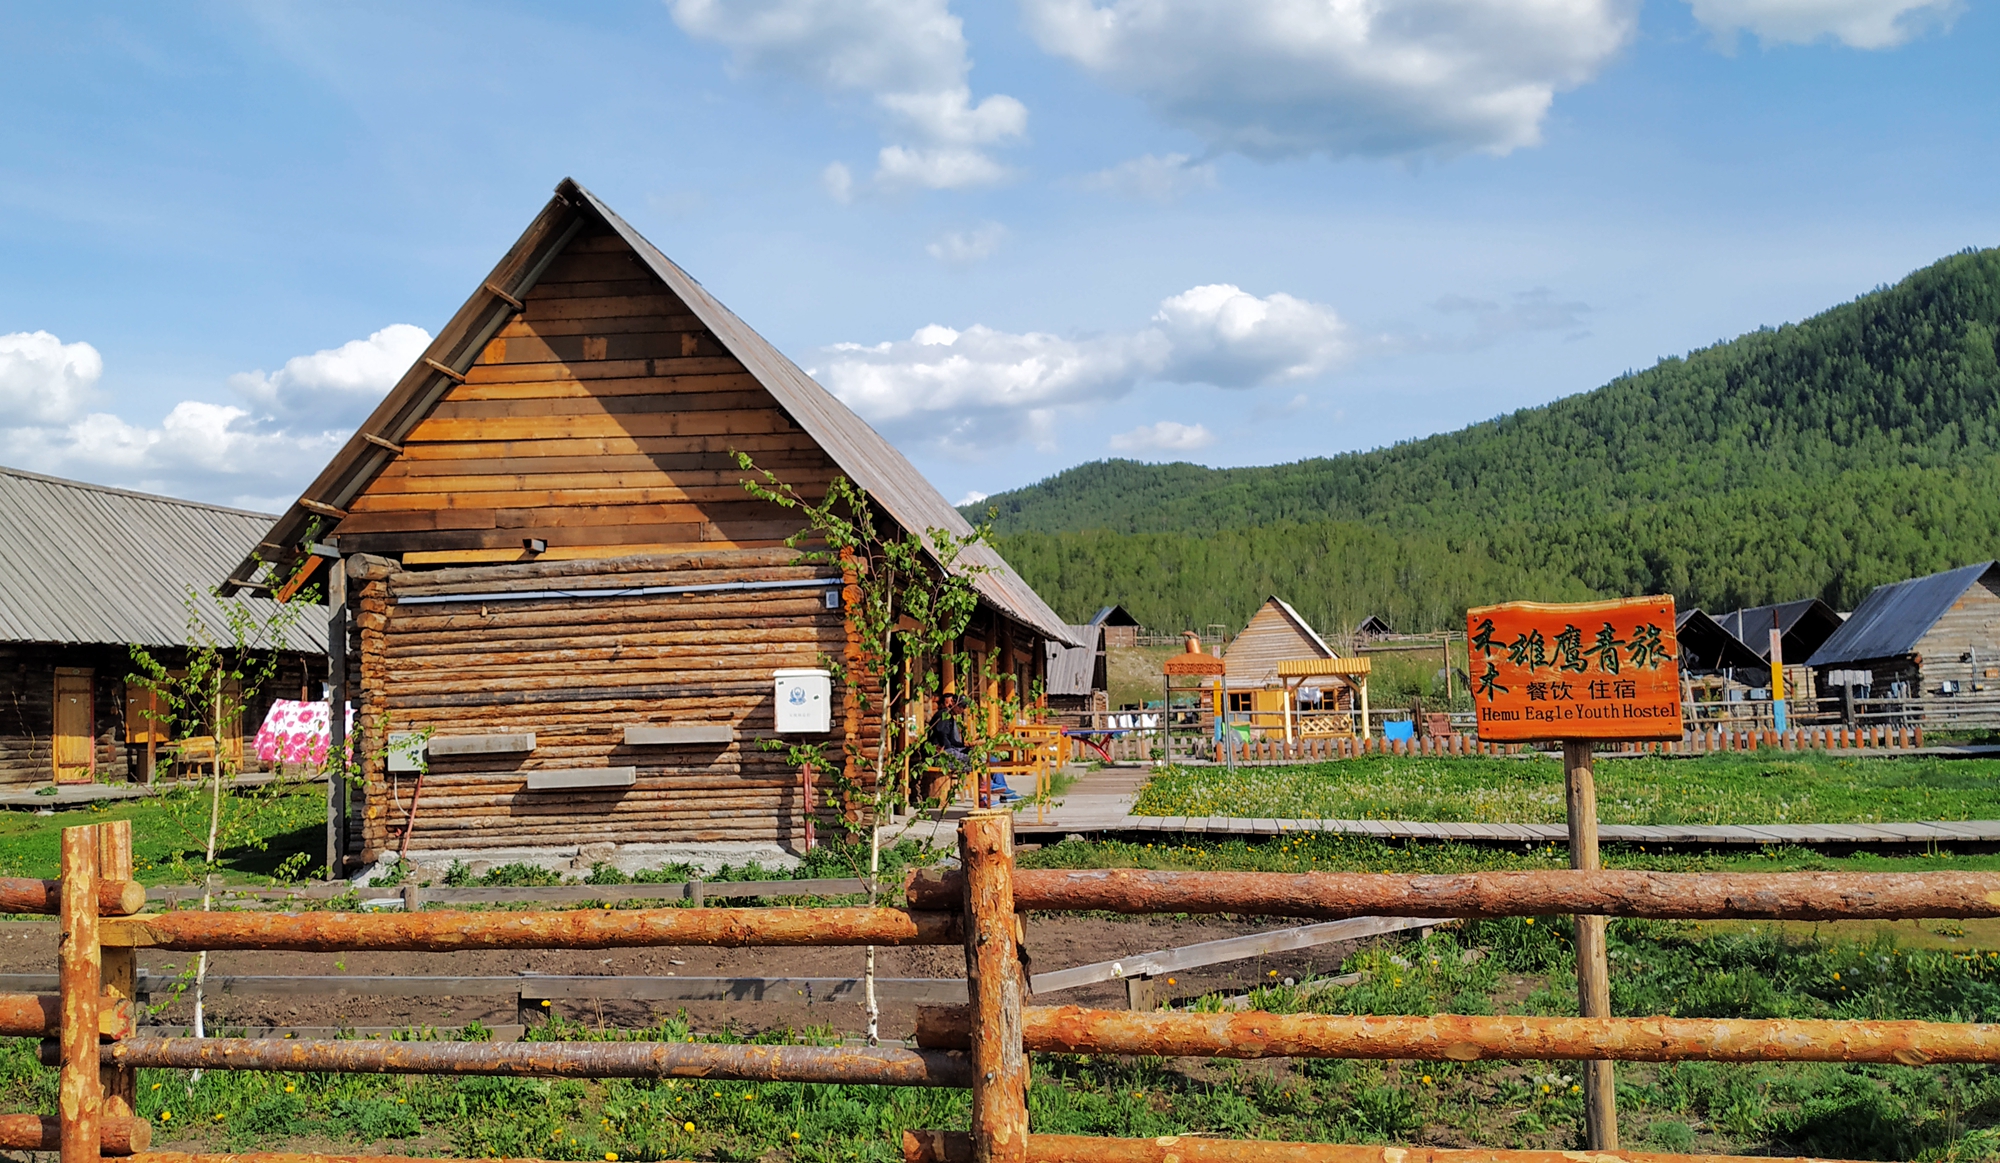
{"x": 75, "y": 725}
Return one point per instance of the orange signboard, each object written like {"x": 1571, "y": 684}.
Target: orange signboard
{"x": 1596, "y": 670}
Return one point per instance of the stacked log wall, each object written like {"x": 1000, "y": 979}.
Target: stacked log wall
{"x": 577, "y": 670}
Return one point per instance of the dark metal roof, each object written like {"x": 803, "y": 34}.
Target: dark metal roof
{"x": 1889, "y": 622}
{"x": 861, "y": 452}
{"x": 82, "y": 563}
{"x": 1072, "y": 670}
{"x": 1706, "y": 645}
{"x": 1112, "y": 616}
{"x": 1805, "y": 625}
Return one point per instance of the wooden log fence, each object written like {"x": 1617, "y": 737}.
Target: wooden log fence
{"x": 1139, "y": 746}
{"x": 982, "y": 1045}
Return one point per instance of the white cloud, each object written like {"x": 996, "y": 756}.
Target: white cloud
{"x": 254, "y": 457}
{"x": 1866, "y": 24}
{"x": 1164, "y": 436}
{"x": 965, "y": 247}
{"x": 43, "y": 379}
{"x": 839, "y": 182}
{"x": 1388, "y": 78}
{"x": 971, "y": 498}
{"x": 338, "y": 385}
{"x": 1159, "y": 179}
{"x": 908, "y": 56}
{"x": 1225, "y": 336}
{"x": 980, "y": 387}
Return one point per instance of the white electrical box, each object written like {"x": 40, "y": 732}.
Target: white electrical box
{"x": 805, "y": 701}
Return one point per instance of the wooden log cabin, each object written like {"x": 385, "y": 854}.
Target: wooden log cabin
{"x": 552, "y": 576}
{"x": 87, "y": 573}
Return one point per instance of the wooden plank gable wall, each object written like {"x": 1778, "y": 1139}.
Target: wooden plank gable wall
{"x": 600, "y": 421}
{"x": 602, "y": 416}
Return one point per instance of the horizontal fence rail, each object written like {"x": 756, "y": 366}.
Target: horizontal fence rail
{"x": 1463, "y": 1038}
{"x": 22, "y": 894}
{"x": 444, "y": 932}
{"x": 1614, "y": 893}
{"x": 982, "y": 1044}
{"x": 697, "y": 891}
{"x": 831, "y": 1064}
{"x": 956, "y": 1147}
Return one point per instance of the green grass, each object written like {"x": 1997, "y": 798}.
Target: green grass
{"x": 1520, "y": 965}
{"x": 264, "y": 826}
{"x": 1770, "y": 787}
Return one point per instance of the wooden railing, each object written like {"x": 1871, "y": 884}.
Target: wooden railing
{"x": 983, "y": 1045}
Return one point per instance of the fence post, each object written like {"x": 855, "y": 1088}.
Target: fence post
{"x": 78, "y": 1097}
{"x": 1593, "y": 972}
{"x": 119, "y": 970}
{"x": 994, "y": 980}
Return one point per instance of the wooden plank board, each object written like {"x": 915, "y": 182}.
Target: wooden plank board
{"x": 747, "y": 400}
{"x": 729, "y": 379}
{"x": 569, "y": 778}
{"x": 554, "y": 373}
{"x": 638, "y": 313}
{"x": 523, "y": 455}
{"x": 600, "y": 426}
{"x": 1228, "y": 949}
{"x": 670, "y": 735}
{"x": 575, "y": 349}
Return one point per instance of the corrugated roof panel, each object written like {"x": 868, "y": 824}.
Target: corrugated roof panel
{"x": 1071, "y": 668}
{"x": 82, "y": 563}
{"x": 1891, "y": 619}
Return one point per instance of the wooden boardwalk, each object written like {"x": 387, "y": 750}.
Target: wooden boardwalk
{"x": 1061, "y": 822}
{"x": 1101, "y": 802}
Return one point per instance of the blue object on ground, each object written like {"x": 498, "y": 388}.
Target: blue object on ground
{"x": 1399, "y": 729}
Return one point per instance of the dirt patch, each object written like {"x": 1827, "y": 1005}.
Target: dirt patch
{"x": 1054, "y": 942}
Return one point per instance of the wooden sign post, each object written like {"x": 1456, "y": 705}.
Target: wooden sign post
{"x": 1579, "y": 675}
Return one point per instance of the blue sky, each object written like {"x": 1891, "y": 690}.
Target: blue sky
{"x": 1016, "y": 237}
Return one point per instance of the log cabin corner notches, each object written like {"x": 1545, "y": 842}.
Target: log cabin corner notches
{"x": 545, "y": 537}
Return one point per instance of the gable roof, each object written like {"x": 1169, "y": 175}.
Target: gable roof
{"x": 82, "y": 563}
{"x": 891, "y": 481}
{"x": 1805, "y": 626}
{"x": 1112, "y": 616}
{"x": 1707, "y": 645}
{"x": 1304, "y": 626}
{"x": 1891, "y": 619}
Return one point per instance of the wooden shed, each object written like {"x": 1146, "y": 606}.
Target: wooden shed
{"x": 1934, "y": 636}
{"x": 1258, "y": 691}
{"x": 86, "y": 573}
{"x": 558, "y": 584}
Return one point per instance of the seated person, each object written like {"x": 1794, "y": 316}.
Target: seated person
{"x": 947, "y": 739}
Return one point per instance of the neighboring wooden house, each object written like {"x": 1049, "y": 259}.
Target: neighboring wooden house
{"x": 1935, "y": 635}
{"x": 1258, "y": 691}
{"x": 86, "y": 573}
{"x": 1078, "y": 677}
{"x": 1707, "y": 649}
{"x": 1121, "y": 629}
{"x": 555, "y": 571}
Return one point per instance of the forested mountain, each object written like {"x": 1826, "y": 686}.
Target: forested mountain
{"x": 1819, "y": 458}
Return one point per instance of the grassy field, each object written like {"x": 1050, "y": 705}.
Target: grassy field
{"x": 1737, "y": 788}
{"x": 1514, "y": 966}
{"x": 263, "y": 828}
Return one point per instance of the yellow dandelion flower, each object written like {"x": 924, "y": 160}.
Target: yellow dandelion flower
{"x": 1427, "y": 1080}
{"x": 289, "y": 1088}
{"x": 166, "y": 1115}
{"x": 610, "y": 1156}
{"x": 218, "y": 1116}
{"x": 1528, "y": 921}
{"x": 545, "y": 1003}
{"x": 795, "y": 1134}
{"x": 1575, "y": 1089}
{"x": 688, "y": 1127}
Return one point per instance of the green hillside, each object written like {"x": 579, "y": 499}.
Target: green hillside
{"x": 1819, "y": 458}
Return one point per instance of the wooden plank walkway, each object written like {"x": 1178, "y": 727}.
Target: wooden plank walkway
{"x": 1101, "y": 802}
{"x": 1061, "y": 822}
